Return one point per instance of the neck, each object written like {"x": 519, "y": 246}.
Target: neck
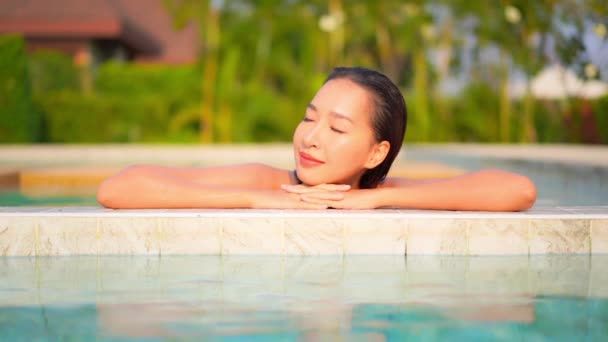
{"x": 355, "y": 181}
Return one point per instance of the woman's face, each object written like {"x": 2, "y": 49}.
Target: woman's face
{"x": 335, "y": 142}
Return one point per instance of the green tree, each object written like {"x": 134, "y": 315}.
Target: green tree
{"x": 19, "y": 119}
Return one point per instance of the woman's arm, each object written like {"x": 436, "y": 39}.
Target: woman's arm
{"x": 486, "y": 190}
{"x": 240, "y": 186}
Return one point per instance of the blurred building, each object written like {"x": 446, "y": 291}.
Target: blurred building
{"x": 557, "y": 82}
{"x": 93, "y": 31}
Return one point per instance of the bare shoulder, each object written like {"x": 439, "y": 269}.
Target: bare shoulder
{"x": 250, "y": 175}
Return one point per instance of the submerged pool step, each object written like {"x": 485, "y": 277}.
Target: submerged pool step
{"x": 84, "y": 180}
{"x": 43, "y": 231}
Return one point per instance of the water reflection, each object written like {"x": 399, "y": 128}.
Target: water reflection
{"x": 320, "y": 298}
{"x": 565, "y": 318}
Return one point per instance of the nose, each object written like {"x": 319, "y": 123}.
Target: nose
{"x": 312, "y": 136}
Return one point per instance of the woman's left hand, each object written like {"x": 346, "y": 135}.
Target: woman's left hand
{"x": 336, "y": 196}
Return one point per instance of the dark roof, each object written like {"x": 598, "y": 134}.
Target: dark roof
{"x": 142, "y": 25}
{"x": 178, "y": 45}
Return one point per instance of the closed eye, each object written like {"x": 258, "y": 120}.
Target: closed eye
{"x": 307, "y": 119}
{"x": 337, "y": 130}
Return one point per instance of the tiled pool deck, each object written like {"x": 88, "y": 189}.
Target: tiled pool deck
{"x": 32, "y": 231}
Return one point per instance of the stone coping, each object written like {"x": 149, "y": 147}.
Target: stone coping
{"x": 565, "y": 212}
{"x": 282, "y": 154}
{"x": 43, "y": 231}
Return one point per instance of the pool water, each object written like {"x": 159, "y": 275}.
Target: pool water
{"x": 359, "y": 298}
{"x": 558, "y": 184}
{"x": 16, "y": 198}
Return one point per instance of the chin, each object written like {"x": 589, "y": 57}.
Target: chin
{"x": 309, "y": 178}
{"x": 310, "y": 181}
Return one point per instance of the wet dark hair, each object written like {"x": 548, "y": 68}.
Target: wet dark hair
{"x": 389, "y": 121}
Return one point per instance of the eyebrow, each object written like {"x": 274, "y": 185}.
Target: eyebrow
{"x": 336, "y": 114}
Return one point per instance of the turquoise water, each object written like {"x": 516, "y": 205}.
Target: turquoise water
{"x": 559, "y": 184}
{"x": 365, "y": 298}
{"x": 16, "y": 198}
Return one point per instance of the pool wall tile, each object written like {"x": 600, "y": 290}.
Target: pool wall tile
{"x": 322, "y": 269}
{"x": 498, "y": 237}
{"x": 371, "y": 236}
{"x": 437, "y": 236}
{"x": 428, "y": 274}
{"x": 67, "y": 236}
{"x": 91, "y": 230}
{"x": 18, "y": 236}
{"x": 388, "y": 274}
{"x": 316, "y": 278}
{"x": 201, "y": 269}
{"x": 245, "y": 267}
{"x": 189, "y": 235}
{"x": 509, "y": 275}
{"x": 20, "y": 275}
{"x": 599, "y": 236}
{"x": 245, "y": 274}
{"x": 361, "y": 268}
{"x": 598, "y": 277}
{"x": 552, "y": 236}
{"x": 314, "y": 236}
{"x": 251, "y": 236}
{"x": 125, "y": 235}
{"x": 559, "y": 274}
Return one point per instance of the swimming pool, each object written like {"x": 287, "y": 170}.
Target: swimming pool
{"x": 359, "y": 298}
{"x": 288, "y": 298}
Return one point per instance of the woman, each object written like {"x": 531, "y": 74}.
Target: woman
{"x": 344, "y": 147}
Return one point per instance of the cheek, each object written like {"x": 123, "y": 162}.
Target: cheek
{"x": 351, "y": 151}
{"x": 297, "y": 134}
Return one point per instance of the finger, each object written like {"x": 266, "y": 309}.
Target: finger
{"x": 333, "y": 187}
{"x": 317, "y": 200}
{"x": 296, "y": 189}
{"x": 303, "y": 189}
{"x": 332, "y": 196}
{"x": 311, "y": 206}
{"x": 333, "y": 204}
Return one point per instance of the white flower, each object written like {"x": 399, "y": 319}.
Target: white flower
{"x": 600, "y": 30}
{"x": 411, "y": 10}
{"x": 330, "y": 22}
{"x": 512, "y": 14}
{"x": 428, "y": 31}
{"x": 591, "y": 70}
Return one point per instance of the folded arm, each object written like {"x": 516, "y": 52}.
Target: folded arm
{"x": 486, "y": 190}
{"x": 239, "y": 186}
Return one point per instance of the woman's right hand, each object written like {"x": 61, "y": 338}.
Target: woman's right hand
{"x": 294, "y": 196}
{"x": 280, "y": 199}
{"x": 323, "y": 194}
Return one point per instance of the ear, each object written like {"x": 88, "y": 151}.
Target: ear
{"x": 378, "y": 154}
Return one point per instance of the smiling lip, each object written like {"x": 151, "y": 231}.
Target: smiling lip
{"x": 307, "y": 160}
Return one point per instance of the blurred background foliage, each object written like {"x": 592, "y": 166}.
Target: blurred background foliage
{"x": 262, "y": 61}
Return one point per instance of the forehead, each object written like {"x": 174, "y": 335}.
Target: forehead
{"x": 344, "y": 96}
